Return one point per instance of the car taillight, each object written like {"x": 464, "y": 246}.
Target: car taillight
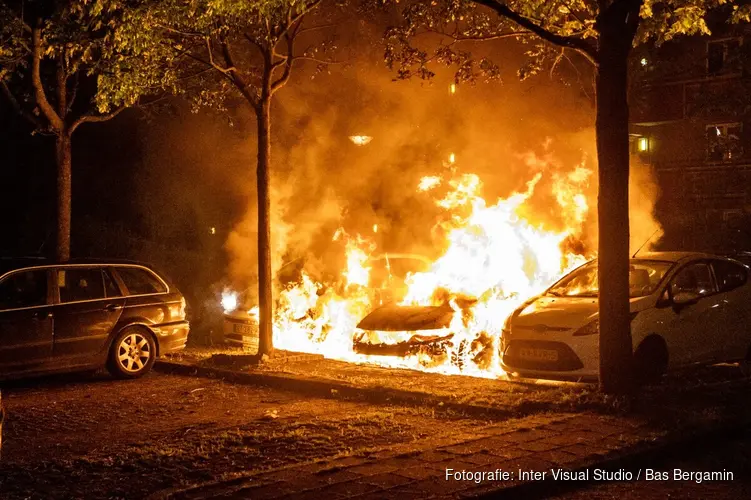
{"x": 177, "y": 311}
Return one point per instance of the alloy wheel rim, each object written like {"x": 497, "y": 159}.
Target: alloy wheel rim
{"x": 133, "y": 353}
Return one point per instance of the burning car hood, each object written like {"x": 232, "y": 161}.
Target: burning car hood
{"x": 407, "y": 318}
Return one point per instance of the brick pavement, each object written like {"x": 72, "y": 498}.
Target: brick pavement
{"x": 412, "y": 471}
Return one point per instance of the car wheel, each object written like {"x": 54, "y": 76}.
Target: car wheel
{"x": 650, "y": 360}
{"x": 132, "y": 353}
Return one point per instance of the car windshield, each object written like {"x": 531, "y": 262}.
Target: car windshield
{"x": 643, "y": 278}
{"x": 393, "y": 270}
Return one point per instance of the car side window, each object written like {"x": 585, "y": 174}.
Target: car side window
{"x": 77, "y": 285}
{"x": 729, "y": 275}
{"x": 694, "y": 279}
{"x": 110, "y": 287}
{"x": 24, "y": 289}
{"x": 140, "y": 281}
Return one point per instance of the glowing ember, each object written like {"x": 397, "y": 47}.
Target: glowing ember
{"x": 229, "y": 301}
{"x": 360, "y": 140}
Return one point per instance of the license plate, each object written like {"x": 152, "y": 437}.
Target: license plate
{"x": 538, "y": 354}
{"x": 242, "y": 329}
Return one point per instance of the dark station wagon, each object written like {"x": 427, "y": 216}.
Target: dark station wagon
{"x": 83, "y": 315}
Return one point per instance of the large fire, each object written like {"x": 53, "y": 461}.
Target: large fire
{"x": 495, "y": 258}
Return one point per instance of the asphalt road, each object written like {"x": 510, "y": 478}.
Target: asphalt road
{"x": 731, "y": 454}
{"x": 95, "y": 437}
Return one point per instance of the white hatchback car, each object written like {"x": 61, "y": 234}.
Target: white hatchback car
{"x": 686, "y": 308}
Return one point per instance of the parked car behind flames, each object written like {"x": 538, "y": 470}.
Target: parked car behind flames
{"x": 83, "y": 315}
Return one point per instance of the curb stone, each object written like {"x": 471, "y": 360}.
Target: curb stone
{"x": 333, "y": 389}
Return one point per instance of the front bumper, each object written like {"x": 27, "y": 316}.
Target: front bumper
{"x": 172, "y": 336}
{"x": 560, "y": 357}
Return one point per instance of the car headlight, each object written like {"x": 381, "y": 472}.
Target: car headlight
{"x": 591, "y": 328}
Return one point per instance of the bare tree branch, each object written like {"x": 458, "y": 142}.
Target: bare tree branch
{"x": 91, "y": 118}
{"x": 479, "y": 38}
{"x": 35, "y": 121}
{"x": 74, "y": 91}
{"x": 36, "y": 79}
{"x": 582, "y": 46}
{"x": 279, "y": 83}
{"x": 210, "y": 51}
{"x": 556, "y": 61}
{"x": 235, "y": 76}
{"x": 315, "y": 28}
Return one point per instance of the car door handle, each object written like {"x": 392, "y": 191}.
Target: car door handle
{"x": 113, "y": 307}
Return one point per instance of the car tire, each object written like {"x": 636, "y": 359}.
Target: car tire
{"x": 132, "y": 354}
{"x": 650, "y": 360}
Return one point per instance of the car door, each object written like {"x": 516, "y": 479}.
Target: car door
{"x": 691, "y": 329}
{"x": 25, "y": 320}
{"x": 732, "y": 281}
{"x": 89, "y": 305}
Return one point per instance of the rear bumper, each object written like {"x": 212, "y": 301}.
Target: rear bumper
{"x": 241, "y": 331}
{"x": 172, "y": 336}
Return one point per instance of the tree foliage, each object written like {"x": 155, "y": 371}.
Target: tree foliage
{"x": 75, "y": 52}
{"x": 59, "y": 69}
{"x": 223, "y": 50}
{"x": 444, "y": 32}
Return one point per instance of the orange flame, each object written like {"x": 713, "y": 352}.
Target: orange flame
{"x": 494, "y": 260}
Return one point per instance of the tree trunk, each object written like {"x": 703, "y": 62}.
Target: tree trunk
{"x": 64, "y": 195}
{"x": 616, "y": 375}
{"x": 265, "y": 299}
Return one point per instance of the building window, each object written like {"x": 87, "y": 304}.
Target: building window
{"x": 723, "y": 56}
{"x": 639, "y": 144}
{"x": 724, "y": 141}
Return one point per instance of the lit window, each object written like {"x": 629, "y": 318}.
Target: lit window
{"x": 643, "y": 144}
{"x": 724, "y": 141}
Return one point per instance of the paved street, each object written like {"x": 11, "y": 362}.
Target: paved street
{"x": 181, "y": 436}
{"x": 102, "y": 438}
{"x": 732, "y": 454}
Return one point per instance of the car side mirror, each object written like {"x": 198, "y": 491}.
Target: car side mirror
{"x": 685, "y": 298}
{"x": 664, "y": 300}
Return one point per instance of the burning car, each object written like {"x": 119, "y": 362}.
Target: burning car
{"x": 386, "y": 284}
{"x": 686, "y": 308}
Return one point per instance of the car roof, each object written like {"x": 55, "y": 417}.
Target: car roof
{"x": 13, "y": 263}
{"x": 674, "y": 256}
